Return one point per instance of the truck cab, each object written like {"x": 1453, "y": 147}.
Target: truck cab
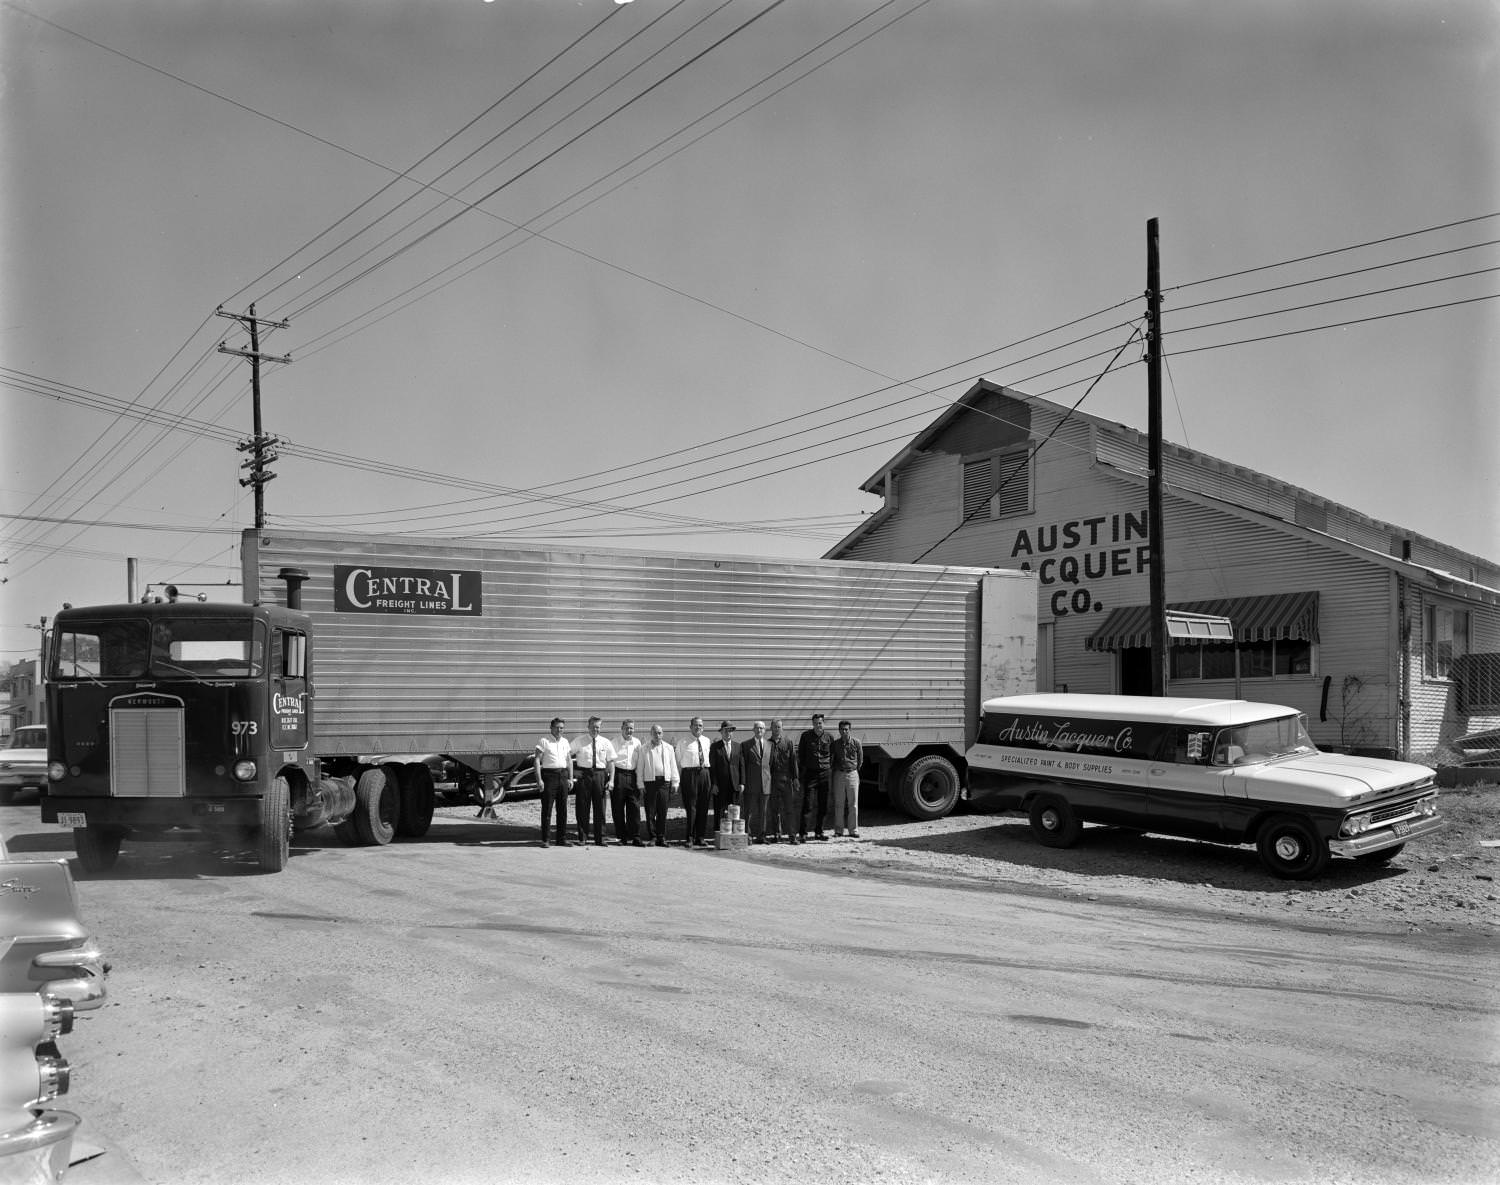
{"x": 178, "y": 715}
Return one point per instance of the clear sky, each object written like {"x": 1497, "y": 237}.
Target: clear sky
{"x": 736, "y": 213}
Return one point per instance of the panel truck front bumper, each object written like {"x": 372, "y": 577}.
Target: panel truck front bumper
{"x": 1386, "y": 837}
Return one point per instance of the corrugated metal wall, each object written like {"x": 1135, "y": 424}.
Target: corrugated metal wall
{"x": 658, "y": 638}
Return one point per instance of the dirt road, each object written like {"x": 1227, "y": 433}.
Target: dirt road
{"x": 475, "y": 1008}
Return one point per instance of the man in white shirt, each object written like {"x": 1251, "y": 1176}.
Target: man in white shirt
{"x": 625, "y": 797}
{"x": 554, "y": 774}
{"x": 593, "y": 771}
{"x": 656, "y": 767}
{"x": 692, "y": 762}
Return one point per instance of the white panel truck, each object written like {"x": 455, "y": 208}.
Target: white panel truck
{"x": 246, "y": 721}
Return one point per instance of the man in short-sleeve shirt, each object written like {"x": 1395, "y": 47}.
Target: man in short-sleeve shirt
{"x": 593, "y": 769}
{"x": 625, "y": 796}
{"x": 554, "y": 774}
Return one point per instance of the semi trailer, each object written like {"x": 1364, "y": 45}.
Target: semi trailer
{"x": 250, "y": 721}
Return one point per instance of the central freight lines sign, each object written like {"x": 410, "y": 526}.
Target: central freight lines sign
{"x": 405, "y": 590}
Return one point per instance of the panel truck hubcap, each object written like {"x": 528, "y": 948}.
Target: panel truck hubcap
{"x": 1289, "y": 848}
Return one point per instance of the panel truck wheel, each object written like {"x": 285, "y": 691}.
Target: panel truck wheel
{"x": 98, "y": 847}
{"x": 418, "y": 798}
{"x": 929, "y": 788}
{"x": 376, "y": 800}
{"x": 1053, "y": 821}
{"x": 273, "y": 838}
{"x": 1291, "y": 848}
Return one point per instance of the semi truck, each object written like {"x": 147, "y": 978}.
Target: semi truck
{"x": 249, "y": 722}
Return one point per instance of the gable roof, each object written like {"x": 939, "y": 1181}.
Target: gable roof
{"x": 1203, "y": 462}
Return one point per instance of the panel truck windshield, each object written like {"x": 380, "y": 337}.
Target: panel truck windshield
{"x": 160, "y": 648}
{"x": 1285, "y": 736}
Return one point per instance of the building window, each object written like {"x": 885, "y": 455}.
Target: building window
{"x": 997, "y": 486}
{"x": 1280, "y": 659}
{"x": 1446, "y": 639}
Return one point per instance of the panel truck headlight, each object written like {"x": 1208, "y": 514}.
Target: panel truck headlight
{"x": 244, "y": 771}
{"x": 56, "y": 771}
{"x": 1427, "y": 807}
{"x": 1355, "y": 825}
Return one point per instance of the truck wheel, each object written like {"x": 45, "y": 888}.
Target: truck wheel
{"x": 418, "y": 798}
{"x": 1290, "y": 848}
{"x": 929, "y": 787}
{"x": 1053, "y": 821}
{"x": 98, "y": 847}
{"x": 273, "y": 842}
{"x": 376, "y": 801}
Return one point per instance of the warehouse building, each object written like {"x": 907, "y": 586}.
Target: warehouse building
{"x": 1389, "y": 641}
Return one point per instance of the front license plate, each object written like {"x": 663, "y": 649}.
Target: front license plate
{"x": 1401, "y": 828}
{"x": 72, "y": 819}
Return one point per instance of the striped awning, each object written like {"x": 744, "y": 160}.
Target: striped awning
{"x": 1291, "y": 615}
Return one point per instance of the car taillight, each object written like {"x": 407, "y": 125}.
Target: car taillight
{"x": 32, "y": 1069}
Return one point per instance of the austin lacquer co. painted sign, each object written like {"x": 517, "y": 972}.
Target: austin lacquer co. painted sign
{"x": 406, "y": 590}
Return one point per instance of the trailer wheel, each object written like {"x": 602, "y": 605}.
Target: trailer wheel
{"x": 418, "y": 798}
{"x": 1053, "y": 821}
{"x": 929, "y": 787}
{"x": 98, "y": 847}
{"x": 273, "y": 845}
{"x": 375, "y": 807}
{"x": 1290, "y": 848}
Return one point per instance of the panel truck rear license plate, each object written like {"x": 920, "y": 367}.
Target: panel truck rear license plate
{"x": 72, "y": 819}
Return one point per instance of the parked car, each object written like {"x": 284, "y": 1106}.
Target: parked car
{"x": 50, "y": 969}
{"x": 23, "y": 763}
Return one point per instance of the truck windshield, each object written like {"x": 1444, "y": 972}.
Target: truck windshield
{"x": 160, "y": 648}
{"x": 1283, "y": 736}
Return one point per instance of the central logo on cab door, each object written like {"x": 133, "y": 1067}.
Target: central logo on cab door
{"x": 406, "y": 590}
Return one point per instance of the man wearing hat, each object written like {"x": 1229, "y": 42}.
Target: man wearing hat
{"x": 725, "y": 768}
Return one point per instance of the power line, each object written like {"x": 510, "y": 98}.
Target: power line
{"x": 1359, "y": 271}
{"x": 406, "y": 174}
{"x": 771, "y": 7}
{"x": 1335, "y": 251}
{"x": 1334, "y": 300}
{"x": 1338, "y": 324}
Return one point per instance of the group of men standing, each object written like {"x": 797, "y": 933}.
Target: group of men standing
{"x": 780, "y": 787}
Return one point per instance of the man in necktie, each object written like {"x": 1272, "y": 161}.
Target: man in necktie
{"x": 660, "y": 776}
{"x": 784, "y": 810}
{"x": 724, "y": 767}
{"x": 594, "y": 767}
{"x": 756, "y": 789}
{"x": 625, "y": 797}
{"x": 692, "y": 760}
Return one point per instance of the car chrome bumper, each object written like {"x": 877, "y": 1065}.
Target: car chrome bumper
{"x": 1386, "y": 837}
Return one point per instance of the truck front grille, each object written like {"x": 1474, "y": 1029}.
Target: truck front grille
{"x": 146, "y": 753}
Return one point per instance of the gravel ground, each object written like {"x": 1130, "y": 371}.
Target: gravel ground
{"x": 1444, "y": 882}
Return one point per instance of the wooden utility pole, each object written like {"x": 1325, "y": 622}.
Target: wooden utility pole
{"x": 1157, "y": 544}
{"x": 260, "y": 446}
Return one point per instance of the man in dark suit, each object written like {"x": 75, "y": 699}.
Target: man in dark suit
{"x": 755, "y": 759}
{"x": 724, "y": 769}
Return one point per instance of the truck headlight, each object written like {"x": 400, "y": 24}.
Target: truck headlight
{"x": 56, "y": 771}
{"x": 1355, "y": 825}
{"x": 1428, "y": 806}
{"x": 244, "y": 771}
